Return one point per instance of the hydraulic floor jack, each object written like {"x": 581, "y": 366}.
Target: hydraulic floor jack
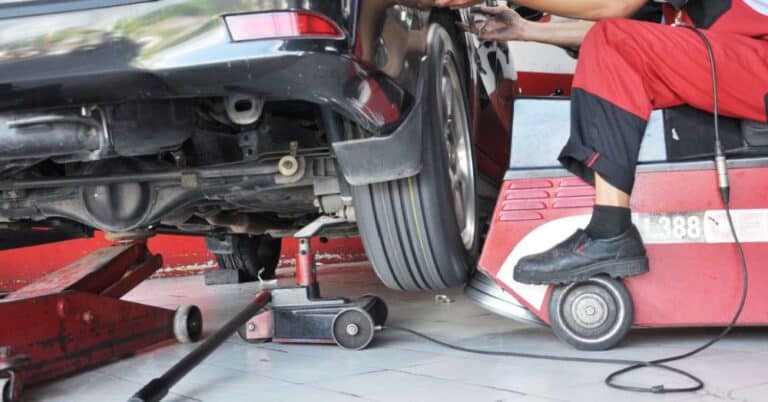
{"x": 295, "y": 314}
{"x": 299, "y": 315}
{"x": 73, "y": 319}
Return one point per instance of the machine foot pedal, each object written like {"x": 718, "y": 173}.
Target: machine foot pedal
{"x": 486, "y": 292}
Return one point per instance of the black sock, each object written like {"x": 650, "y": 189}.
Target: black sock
{"x": 608, "y": 221}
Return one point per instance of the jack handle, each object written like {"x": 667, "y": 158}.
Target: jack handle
{"x": 158, "y": 388}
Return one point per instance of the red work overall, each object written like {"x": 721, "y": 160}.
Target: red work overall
{"x": 628, "y": 68}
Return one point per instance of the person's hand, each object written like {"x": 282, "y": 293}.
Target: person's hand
{"x": 501, "y": 24}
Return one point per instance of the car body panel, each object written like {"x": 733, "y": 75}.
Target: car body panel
{"x": 181, "y": 48}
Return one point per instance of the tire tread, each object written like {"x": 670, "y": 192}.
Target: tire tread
{"x": 394, "y": 216}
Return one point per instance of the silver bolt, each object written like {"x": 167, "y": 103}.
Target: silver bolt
{"x": 591, "y": 310}
{"x": 288, "y": 166}
{"x": 353, "y": 329}
{"x": 251, "y": 327}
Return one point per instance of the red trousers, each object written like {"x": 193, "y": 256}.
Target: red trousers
{"x": 628, "y": 68}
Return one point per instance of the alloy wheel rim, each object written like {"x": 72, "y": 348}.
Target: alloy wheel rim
{"x": 461, "y": 168}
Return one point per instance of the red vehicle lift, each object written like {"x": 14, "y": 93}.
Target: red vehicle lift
{"x": 74, "y": 319}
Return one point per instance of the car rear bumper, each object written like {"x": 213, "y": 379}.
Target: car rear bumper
{"x": 171, "y": 49}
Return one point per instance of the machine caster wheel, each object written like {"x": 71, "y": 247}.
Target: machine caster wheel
{"x": 592, "y": 315}
{"x": 353, "y": 329}
{"x": 188, "y": 324}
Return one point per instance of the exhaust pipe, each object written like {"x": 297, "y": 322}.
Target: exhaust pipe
{"x": 47, "y": 136}
{"x": 244, "y": 110}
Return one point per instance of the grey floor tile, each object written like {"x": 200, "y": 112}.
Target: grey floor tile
{"x": 751, "y": 393}
{"x": 88, "y": 387}
{"x": 389, "y": 385}
{"x": 376, "y": 356}
{"x": 400, "y": 367}
{"x": 291, "y": 367}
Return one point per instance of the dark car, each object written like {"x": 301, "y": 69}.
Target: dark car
{"x": 244, "y": 121}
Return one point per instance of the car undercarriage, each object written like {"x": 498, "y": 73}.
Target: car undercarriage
{"x": 197, "y": 166}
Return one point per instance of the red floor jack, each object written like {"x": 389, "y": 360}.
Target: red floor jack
{"x": 694, "y": 277}
{"x": 73, "y": 319}
{"x": 288, "y": 315}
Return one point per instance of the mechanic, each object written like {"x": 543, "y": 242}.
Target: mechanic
{"x": 626, "y": 69}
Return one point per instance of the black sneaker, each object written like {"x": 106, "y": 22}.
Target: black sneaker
{"x": 581, "y": 257}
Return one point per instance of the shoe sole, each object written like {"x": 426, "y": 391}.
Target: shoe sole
{"x": 615, "y": 269}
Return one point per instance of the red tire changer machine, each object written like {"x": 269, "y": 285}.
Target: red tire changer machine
{"x": 694, "y": 280}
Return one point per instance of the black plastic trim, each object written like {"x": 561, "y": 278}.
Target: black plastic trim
{"x": 386, "y": 158}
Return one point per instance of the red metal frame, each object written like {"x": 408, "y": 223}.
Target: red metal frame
{"x": 689, "y": 284}
{"x": 182, "y": 255}
{"x": 73, "y": 319}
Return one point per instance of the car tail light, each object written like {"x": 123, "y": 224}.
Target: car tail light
{"x": 281, "y": 24}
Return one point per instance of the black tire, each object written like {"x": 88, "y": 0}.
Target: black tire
{"x": 605, "y": 324}
{"x": 242, "y": 332}
{"x": 251, "y": 254}
{"x": 409, "y": 227}
{"x": 5, "y": 392}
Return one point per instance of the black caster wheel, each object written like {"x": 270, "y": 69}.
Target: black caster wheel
{"x": 250, "y": 331}
{"x": 592, "y": 315}
{"x": 353, "y": 329}
{"x": 188, "y": 324}
{"x": 242, "y": 331}
{"x": 379, "y": 311}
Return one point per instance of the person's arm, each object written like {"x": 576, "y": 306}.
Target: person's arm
{"x": 585, "y": 9}
{"x": 505, "y": 24}
{"x": 566, "y": 34}
{"x": 579, "y": 9}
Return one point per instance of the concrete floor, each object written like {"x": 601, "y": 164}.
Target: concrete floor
{"x": 400, "y": 368}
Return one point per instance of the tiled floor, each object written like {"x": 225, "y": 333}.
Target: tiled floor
{"x": 400, "y": 368}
